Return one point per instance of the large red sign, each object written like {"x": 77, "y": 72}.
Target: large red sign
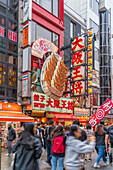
{"x": 102, "y": 111}
{"x": 12, "y": 35}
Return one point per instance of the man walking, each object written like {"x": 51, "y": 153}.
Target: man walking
{"x": 11, "y": 137}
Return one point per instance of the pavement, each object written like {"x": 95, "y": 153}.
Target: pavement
{"x": 6, "y": 162}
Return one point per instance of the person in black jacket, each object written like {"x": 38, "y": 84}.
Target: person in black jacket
{"x": 28, "y": 149}
{"x": 11, "y": 137}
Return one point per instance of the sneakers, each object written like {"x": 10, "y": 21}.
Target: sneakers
{"x": 8, "y": 154}
{"x": 106, "y": 163}
{"x": 96, "y": 165}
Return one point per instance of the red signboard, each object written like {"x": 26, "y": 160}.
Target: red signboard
{"x": 1, "y": 31}
{"x": 12, "y": 35}
{"x": 102, "y": 111}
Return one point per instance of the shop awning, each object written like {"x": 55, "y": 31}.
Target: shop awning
{"x": 14, "y": 117}
{"x": 64, "y": 116}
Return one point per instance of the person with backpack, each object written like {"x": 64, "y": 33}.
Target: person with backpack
{"x": 49, "y": 140}
{"x": 75, "y": 149}
{"x": 109, "y": 134}
{"x": 100, "y": 145}
{"x": 11, "y": 137}
{"x": 58, "y": 147}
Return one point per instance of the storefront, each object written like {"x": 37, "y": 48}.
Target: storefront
{"x": 45, "y": 108}
{"x": 82, "y": 114}
{"x": 11, "y": 112}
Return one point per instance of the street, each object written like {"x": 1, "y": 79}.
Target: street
{"x": 6, "y": 163}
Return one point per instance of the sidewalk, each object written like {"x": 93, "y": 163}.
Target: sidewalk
{"x": 6, "y": 162}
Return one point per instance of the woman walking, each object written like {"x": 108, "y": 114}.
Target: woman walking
{"x": 58, "y": 148}
{"x": 28, "y": 149}
{"x": 75, "y": 149}
{"x": 100, "y": 146}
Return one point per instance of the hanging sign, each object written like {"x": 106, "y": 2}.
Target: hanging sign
{"x": 102, "y": 111}
{"x": 42, "y": 46}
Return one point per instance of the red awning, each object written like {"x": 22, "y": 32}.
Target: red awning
{"x": 64, "y": 116}
{"x": 15, "y": 117}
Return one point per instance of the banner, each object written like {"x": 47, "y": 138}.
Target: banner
{"x": 102, "y": 111}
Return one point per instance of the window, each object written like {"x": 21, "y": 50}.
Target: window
{"x": 12, "y": 47}
{"x": 2, "y": 43}
{"x": 11, "y": 93}
{"x": 72, "y": 30}
{"x": 13, "y": 3}
{"x": 2, "y": 9}
{"x": 13, "y": 14}
{"x": 94, "y": 6}
{"x": 2, "y": 20}
{"x": 2, "y": 56}
{"x": 93, "y": 25}
{"x": 12, "y": 59}
{"x": 2, "y": 91}
{"x": 50, "y": 5}
{"x": 55, "y": 39}
{"x": 12, "y": 25}
{"x": 2, "y": 79}
{"x": 3, "y": 1}
{"x": 12, "y": 76}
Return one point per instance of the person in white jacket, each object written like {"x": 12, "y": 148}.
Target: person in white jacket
{"x": 75, "y": 149}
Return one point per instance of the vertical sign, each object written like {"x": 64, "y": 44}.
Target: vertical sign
{"x": 12, "y": 35}
{"x": 25, "y": 85}
{"x": 25, "y": 34}
{"x": 27, "y": 11}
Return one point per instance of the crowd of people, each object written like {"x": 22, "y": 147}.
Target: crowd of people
{"x": 69, "y": 146}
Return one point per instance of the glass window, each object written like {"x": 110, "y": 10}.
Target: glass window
{"x": 11, "y": 92}
{"x": 13, "y": 14}
{"x": 12, "y": 59}
{"x": 55, "y": 7}
{"x": 2, "y": 91}
{"x": 12, "y": 3}
{"x": 2, "y": 79}
{"x": 11, "y": 71}
{"x": 55, "y": 39}
{"x": 2, "y": 56}
{"x": 95, "y": 6}
{"x": 12, "y": 47}
{"x": 12, "y": 25}
{"x": 50, "y": 5}
{"x": 2, "y": 20}
{"x": 72, "y": 29}
{"x": 2, "y": 9}
{"x": 2, "y": 43}
{"x": 42, "y": 33}
{"x": 2, "y": 68}
{"x": 3, "y": 1}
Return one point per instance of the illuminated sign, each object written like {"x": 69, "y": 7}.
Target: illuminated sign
{"x": 12, "y": 35}
{"x": 42, "y": 102}
{"x": 1, "y": 31}
{"x": 25, "y": 34}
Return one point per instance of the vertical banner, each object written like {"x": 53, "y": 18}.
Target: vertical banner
{"x": 102, "y": 111}
{"x": 26, "y": 85}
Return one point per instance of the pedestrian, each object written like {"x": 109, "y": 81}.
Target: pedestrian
{"x": 21, "y": 129}
{"x": 67, "y": 131}
{"x": 109, "y": 134}
{"x": 88, "y": 132}
{"x": 11, "y": 137}
{"x": 49, "y": 141}
{"x": 83, "y": 136}
{"x": 45, "y": 134}
{"x": 28, "y": 149}
{"x": 100, "y": 145}
{"x": 58, "y": 147}
{"x": 75, "y": 149}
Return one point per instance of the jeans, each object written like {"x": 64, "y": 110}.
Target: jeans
{"x": 49, "y": 155}
{"x": 60, "y": 162}
{"x": 111, "y": 155}
{"x": 101, "y": 153}
{"x": 9, "y": 147}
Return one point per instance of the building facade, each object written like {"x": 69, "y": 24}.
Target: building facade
{"x": 42, "y": 20}
{"x": 8, "y": 50}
